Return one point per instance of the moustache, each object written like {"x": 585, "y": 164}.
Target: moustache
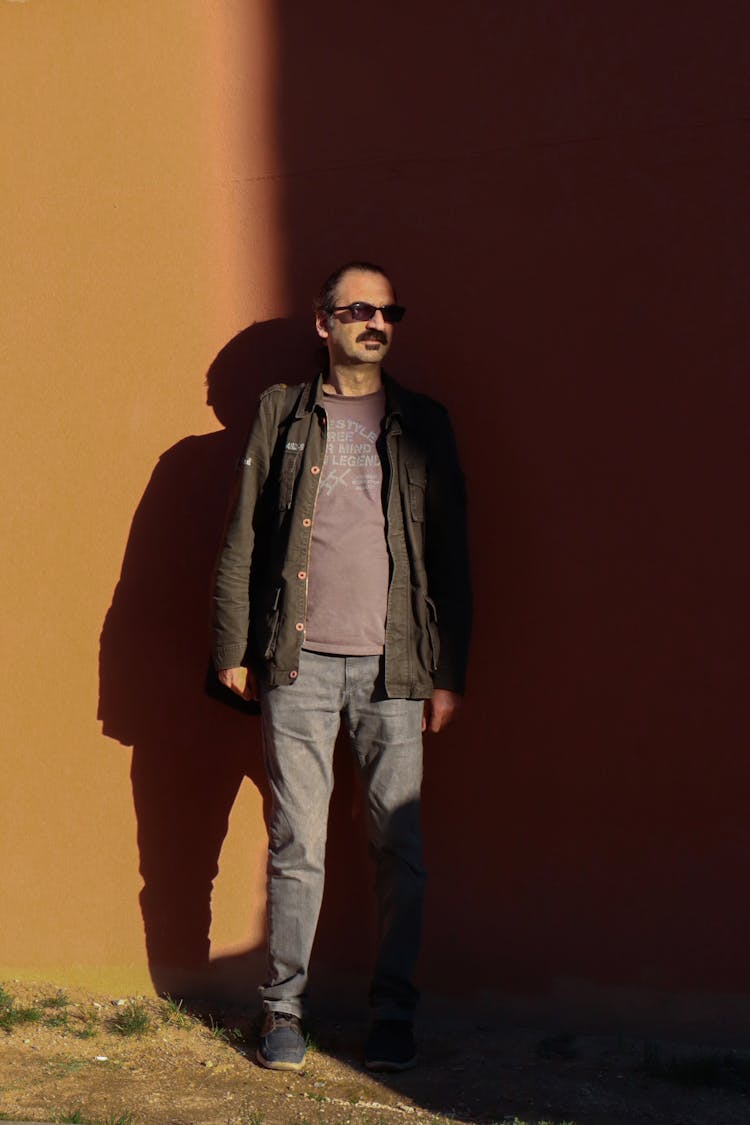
{"x": 372, "y": 334}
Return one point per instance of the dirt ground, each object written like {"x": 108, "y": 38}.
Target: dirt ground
{"x": 78, "y": 1057}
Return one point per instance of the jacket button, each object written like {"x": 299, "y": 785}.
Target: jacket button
{"x": 299, "y": 626}
{"x": 315, "y": 470}
{"x": 302, "y": 574}
{"x": 307, "y": 522}
{"x": 293, "y": 675}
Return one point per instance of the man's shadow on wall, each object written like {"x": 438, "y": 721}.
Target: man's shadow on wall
{"x": 190, "y": 752}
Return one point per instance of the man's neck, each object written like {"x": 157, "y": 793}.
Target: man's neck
{"x": 359, "y": 379}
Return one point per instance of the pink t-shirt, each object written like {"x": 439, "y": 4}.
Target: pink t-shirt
{"x": 347, "y": 592}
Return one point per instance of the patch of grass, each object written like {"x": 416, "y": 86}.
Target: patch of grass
{"x": 75, "y": 1116}
{"x": 224, "y": 1034}
{"x": 11, "y": 1016}
{"x": 247, "y": 1114}
{"x": 132, "y": 1019}
{"x": 72, "y": 1117}
{"x": 174, "y": 1013}
{"x": 59, "y": 1020}
{"x": 88, "y": 1024}
{"x": 61, "y": 1067}
{"x": 59, "y": 1000}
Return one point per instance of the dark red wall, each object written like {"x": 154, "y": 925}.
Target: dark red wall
{"x": 560, "y": 193}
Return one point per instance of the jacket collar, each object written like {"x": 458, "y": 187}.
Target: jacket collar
{"x": 312, "y": 397}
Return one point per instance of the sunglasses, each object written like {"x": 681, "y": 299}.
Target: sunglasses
{"x": 361, "y": 311}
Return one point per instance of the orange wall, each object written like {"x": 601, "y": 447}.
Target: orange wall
{"x": 130, "y": 255}
{"x": 557, "y": 191}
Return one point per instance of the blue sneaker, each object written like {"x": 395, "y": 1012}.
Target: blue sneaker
{"x": 390, "y": 1046}
{"x": 282, "y": 1045}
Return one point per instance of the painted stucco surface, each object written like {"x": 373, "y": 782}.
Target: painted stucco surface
{"x": 124, "y": 235}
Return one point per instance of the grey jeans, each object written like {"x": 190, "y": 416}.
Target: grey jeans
{"x": 300, "y": 724}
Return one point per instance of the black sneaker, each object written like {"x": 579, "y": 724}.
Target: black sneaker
{"x": 282, "y": 1045}
{"x": 390, "y": 1046}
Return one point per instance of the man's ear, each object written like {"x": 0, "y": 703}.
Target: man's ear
{"x": 321, "y": 324}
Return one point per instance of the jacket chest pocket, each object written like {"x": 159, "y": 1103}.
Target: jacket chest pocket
{"x": 287, "y": 478}
{"x": 417, "y": 478}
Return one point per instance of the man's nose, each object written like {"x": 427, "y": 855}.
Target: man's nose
{"x": 376, "y": 320}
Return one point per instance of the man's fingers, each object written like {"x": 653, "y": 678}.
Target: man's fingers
{"x": 239, "y": 680}
{"x": 441, "y": 710}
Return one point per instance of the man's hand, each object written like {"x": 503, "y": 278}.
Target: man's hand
{"x": 241, "y": 681}
{"x": 442, "y": 709}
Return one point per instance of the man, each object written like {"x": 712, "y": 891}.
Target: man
{"x": 343, "y": 591}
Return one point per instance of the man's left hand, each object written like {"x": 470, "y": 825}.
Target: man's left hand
{"x": 442, "y": 709}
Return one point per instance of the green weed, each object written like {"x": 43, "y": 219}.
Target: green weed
{"x": 11, "y": 1016}
{"x": 132, "y": 1019}
{"x": 72, "y": 1117}
{"x": 224, "y": 1034}
{"x": 60, "y": 1019}
{"x": 59, "y": 1000}
{"x": 59, "y": 1068}
{"x": 248, "y": 1115}
{"x": 88, "y": 1024}
{"x": 174, "y": 1013}
{"x": 76, "y": 1117}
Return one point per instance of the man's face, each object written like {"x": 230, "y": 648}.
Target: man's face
{"x": 352, "y": 342}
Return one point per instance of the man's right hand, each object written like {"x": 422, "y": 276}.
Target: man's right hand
{"x": 241, "y": 681}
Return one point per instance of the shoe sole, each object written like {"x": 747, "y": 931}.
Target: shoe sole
{"x": 280, "y": 1064}
{"x": 388, "y": 1065}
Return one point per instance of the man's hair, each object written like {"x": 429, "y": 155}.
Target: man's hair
{"x": 325, "y": 302}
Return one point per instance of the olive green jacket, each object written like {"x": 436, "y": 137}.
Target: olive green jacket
{"x": 260, "y": 593}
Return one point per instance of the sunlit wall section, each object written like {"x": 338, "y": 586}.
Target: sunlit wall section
{"x": 139, "y": 236}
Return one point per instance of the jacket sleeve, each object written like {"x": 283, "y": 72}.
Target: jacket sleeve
{"x": 447, "y": 554}
{"x": 231, "y": 594}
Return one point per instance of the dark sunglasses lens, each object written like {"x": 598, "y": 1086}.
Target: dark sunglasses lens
{"x": 361, "y": 311}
